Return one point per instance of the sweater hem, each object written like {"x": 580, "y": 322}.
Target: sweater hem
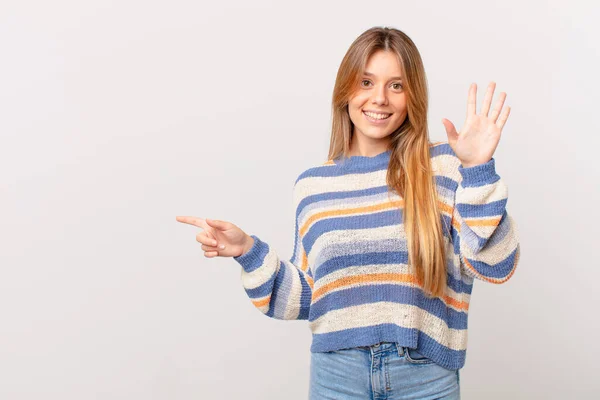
{"x": 405, "y": 337}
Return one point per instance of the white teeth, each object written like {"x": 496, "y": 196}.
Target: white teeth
{"x": 377, "y": 116}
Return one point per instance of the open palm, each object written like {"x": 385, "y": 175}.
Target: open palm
{"x": 477, "y": 141}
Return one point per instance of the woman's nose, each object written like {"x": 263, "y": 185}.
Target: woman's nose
{"x": 379, "y": 96}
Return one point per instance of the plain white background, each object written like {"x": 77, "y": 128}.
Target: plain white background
{"x": 116, "y": 116}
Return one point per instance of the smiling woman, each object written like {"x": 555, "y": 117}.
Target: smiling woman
{"x": 378, "y": 107}
{"x": 391, "y": 231}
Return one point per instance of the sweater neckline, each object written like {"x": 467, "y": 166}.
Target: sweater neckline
{"x": 365, "y": 161}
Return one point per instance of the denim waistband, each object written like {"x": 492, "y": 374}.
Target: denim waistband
{"x": 385, "y": 347}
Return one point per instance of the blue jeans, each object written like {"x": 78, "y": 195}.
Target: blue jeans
{"x": 382, "y": 371}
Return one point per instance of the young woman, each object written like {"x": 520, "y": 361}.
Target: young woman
{"x": 390, "y": 233}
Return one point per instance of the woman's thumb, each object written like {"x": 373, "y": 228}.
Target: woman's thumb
{"x": 450, "y": 130}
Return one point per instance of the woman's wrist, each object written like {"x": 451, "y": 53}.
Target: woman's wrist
{"x": 248, "y": 243}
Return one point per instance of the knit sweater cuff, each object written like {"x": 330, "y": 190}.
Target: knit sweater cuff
{"x": 479, "y": 175}
{"x": 254, "y": 257}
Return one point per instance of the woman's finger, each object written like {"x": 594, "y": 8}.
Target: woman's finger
{"x": 204, "y": 239}
{"x": 503, "y": 117}
{"x": 471, "y": 100}
{"x": 211, "y": 254}
{"x": 499, "y": 103}
{"x": 220, "y": 225}
{"x": 196, "y": 221}
{"x": 487, "y": 99}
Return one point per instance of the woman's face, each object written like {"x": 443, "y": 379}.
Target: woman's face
{"x": 381, "y": 93}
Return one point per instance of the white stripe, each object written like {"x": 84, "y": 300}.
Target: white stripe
{"x": 348, "y": 272}
{"x": 346, "y": 203}
{"x": 446, "y": 165}
{"x": 403, "y": 315}
{"x": 493, "y": 254}
{"x": 343, "y": 204}
{"x": 292, "y": 308}
{"x": 482, "y": 194}
{"x": 350, "y": 236}
{"x": 324, "y": 184}
{"x": 270, "y": 265}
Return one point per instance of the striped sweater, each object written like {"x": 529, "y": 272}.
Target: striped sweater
{"x": 349, "y": 274}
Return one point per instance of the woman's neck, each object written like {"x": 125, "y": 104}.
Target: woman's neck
{"x": 364, "y": 146}
{"x": 368, "y": 149}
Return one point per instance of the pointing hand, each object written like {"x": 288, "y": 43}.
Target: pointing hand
{"x": 219, "y": 238}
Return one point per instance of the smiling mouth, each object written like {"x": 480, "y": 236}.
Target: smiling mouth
{"x": 376, "y": 116}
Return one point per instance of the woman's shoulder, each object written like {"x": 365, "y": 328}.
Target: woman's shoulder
{"x": 444, "y": 161}
{"x": 319, "y": 170}
{"x": 440, "y": 147}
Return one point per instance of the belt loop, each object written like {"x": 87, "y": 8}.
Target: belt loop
{"x": 400, "y": 350}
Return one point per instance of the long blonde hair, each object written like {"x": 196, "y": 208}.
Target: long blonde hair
{"x": 409, "y": 171}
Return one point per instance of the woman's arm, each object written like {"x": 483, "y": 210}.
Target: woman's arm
{"x": 484, "y": 234}
{"x": 280, "y": 289}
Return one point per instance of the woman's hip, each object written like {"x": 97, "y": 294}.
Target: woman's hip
{"x": 382, "y": 371}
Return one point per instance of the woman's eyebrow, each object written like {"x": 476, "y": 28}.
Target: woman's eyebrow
{"x": 392, "y": 78}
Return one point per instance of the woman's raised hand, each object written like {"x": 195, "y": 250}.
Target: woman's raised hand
{"x": 219, "y": 238}
{"x": 477, "y": 140}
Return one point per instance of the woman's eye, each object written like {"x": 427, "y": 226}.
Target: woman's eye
{"x": 397, "y": 86}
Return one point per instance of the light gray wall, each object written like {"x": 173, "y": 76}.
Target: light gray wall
{"x": 116, "y": 116}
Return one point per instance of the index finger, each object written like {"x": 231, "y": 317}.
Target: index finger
{"x": 196, "y": 221}
{"x": 472, "y": 100}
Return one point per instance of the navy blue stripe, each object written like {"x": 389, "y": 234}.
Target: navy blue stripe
{"x": 342, "y": 169}
{"x": 255, "y": 257}
{"x": 441, "y": 149}
{"x": 468, "y": 234}
{"x": 305, "y": 298}
{"x": 406, "y": 337}
{"x": 374, "y": 220}
{"x": 479, "y": 175}
{"x": 499, "y": 270}
{"x": 339, "y": 195}
{"x": 391, "y": 293}
{"x": 280, "y": 278}
{"x": 446, "y": 182}
{"x": 262, "y": 290}
{"x": 458, "y": 285}
{"x": 380, "y": 258}
{"x": 442, "y": 355}
{"x": 482, "y": 210}
{"x": 351, "y": 260}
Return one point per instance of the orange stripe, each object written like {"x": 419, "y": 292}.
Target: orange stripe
{"x": 445, "y": 207}
{"x": 483, "y": 222}
{"x": 376, "y": 207}
{"x": 304, "y": 262}
{"x": 263, "y": 302}
{"x": 485, "y": 278}
{"x": 456, "y": 225}
{"x": 383, "y": 277}
{"x": 479, "y": 222}
{"x": 351, "y": 280}
{"x": 461, "y": 305}
{"x": 349, "y": 211}
{"x": 448, "y": 300}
